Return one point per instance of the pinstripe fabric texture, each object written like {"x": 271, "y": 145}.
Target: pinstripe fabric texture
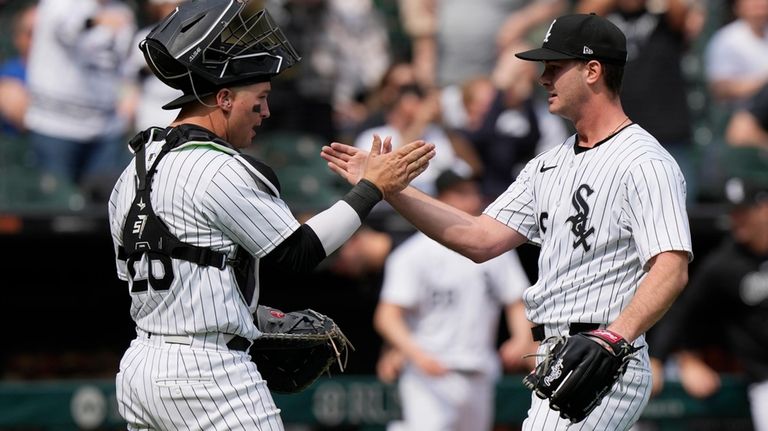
{"x": 172, "y": 387}
{"x": 599, "y": 215}
{"x": 206, "y": 197}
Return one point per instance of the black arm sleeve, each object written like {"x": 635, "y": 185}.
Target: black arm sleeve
{"x": 300, "y": 252}
{"x": 363, "y": 197}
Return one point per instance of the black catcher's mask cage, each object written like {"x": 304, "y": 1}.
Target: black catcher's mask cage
{"x": 208, "y": 44}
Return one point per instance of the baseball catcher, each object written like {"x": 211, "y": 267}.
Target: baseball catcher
{"x": 577, "y": 372}
{"x": 297, "y": 347}
{"x": 194, "y": 220}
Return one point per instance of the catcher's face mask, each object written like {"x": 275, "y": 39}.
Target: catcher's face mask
{"x": 205, "y": 45}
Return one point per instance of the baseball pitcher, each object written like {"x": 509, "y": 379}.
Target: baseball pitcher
{"x": 607, "y": 208}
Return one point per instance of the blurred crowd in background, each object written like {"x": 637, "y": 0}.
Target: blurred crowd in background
{"x": 74, "y": 88}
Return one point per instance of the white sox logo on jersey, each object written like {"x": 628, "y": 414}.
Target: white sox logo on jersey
{"x": 579, "y": 220}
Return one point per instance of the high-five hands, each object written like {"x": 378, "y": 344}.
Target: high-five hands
{"x": 391, "y": 171}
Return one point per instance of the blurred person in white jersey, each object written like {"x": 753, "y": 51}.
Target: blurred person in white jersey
{"x": 607, "y": 208}
{"x": 440, "y": 313}
{"x": 148, "y": 93}
{"x": 76, "y": 77}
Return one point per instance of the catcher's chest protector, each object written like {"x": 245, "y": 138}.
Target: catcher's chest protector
{"x": 145, "y": 233}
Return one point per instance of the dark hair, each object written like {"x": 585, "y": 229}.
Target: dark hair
{"x": 414, "y": 89}
{"x": 613, "y": 75}
{"x": 402, "y": 91}
{"x": 448, "y": 179}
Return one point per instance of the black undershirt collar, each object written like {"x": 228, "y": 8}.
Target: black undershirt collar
{"x": 578, "y": 150}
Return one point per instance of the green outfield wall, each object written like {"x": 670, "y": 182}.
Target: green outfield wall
{"x": 359, "y": 402}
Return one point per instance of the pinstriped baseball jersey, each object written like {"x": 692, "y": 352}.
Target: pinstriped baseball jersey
{"x": 207, "y": 198}
{"x": 598, "y": 215}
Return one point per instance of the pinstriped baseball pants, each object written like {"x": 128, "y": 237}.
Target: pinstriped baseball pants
{"x": 162, "y": 386}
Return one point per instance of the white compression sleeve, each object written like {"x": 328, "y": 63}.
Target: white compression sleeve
{"x": 335, "y": 225}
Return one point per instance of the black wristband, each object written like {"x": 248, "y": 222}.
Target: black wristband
{"x": 363, "y": 197}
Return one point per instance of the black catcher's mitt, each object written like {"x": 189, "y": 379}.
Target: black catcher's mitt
{"x": 578, "y": 371}
{"x": 296, "y": 347}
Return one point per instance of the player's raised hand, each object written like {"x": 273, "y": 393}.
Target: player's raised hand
{"x": 349, "y": 162}
{"x": 345, "y": 160}
{"x": 391, "y": 171}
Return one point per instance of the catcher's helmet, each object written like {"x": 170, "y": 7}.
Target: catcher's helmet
{"x": 205, "y": 45}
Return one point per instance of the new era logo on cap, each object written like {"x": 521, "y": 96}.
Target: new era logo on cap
{"x": 581, "y": 36}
